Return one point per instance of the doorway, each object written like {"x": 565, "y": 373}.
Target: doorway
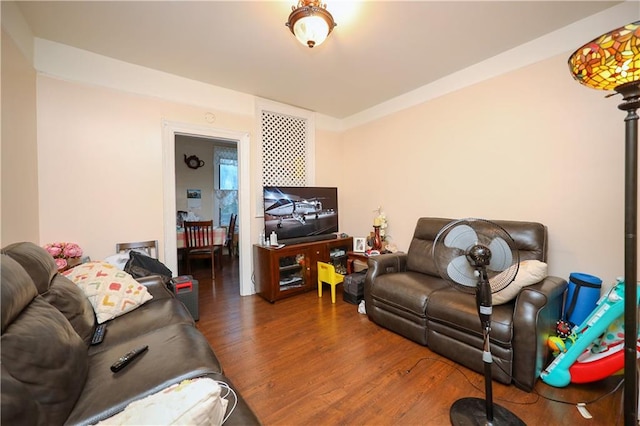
{"x": 242, "y": 140}
{"x": 206, "y": 179}
{"x": 206, "y": 187}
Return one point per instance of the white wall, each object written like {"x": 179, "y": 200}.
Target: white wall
{"x": 530, "y": 145}
{"x": 19, "y": 207}
{"x": 101, "y": 162}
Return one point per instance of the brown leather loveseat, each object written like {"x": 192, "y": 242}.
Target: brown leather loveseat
{"x": 404, "y": 293}
{"x": 51, "y": 375}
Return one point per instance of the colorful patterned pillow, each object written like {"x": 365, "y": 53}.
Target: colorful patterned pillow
{"x": 112, "y": 292}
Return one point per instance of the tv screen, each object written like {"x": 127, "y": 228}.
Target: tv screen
{"x": 295, "y": 212}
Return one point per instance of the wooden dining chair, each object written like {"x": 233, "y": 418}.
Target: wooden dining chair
{"x": 199, "y": 243}
{"x": 231, "y": 232}
{"x": 228, "y": 241}
{"x": 149, "y": 247}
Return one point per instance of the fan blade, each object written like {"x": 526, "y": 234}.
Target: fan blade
{"x": 460, "y": 271}
{"x": 501, "y": 257}
{"x": 461, "y": 237}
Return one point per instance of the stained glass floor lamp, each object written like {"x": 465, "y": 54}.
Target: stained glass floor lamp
{"x": 612, "y": 62}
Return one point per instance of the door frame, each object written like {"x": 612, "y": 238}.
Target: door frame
{"x": 242, "y": 139}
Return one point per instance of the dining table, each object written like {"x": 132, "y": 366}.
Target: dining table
{"x": 219, "y": 236}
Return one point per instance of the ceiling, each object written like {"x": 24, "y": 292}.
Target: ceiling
{"x": 379, "y": 50}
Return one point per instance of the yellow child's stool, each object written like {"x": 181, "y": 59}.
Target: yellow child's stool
{"x": 327, "y": 274}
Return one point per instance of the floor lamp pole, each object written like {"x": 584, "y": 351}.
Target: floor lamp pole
{"x": 631, "y": 96}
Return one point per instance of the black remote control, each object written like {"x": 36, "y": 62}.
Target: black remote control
{"x": 98, "y": 335}
{"x": 125, "y": 359}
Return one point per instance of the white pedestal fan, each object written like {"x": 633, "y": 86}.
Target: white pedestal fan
{"x": 478, "y": 256}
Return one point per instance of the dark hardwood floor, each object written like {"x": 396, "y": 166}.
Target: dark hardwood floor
{"x": 303, "y": 360}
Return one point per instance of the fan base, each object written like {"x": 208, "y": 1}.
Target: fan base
{"x": 473, "y": 411}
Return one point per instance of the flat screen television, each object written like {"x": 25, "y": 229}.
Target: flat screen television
{"x": 300, "y": 213}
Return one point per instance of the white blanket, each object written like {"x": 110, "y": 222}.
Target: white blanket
{"x": 191, "y": 402}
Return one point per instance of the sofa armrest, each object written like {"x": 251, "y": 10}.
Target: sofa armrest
{"x": 379, "y": 265}
{"x": 156, "y": 286}
{"x": 536, "y": 310}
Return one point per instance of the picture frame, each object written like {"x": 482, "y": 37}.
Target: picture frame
{"x": 194, "y": 193}
{"x": 359, "y": 244}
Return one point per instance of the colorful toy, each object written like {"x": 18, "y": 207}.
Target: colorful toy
{"x": 599, "y": 366}
{"x": 556, "y": 344}
{"x": 604, "y": 358}
{"x": 563, "y": 328}
{"x": 593, "y": 353}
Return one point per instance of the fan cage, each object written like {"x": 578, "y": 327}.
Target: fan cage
{"x": 486, "y": 231}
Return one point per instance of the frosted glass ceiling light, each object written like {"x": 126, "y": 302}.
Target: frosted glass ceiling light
{"x": 310, "y": 22}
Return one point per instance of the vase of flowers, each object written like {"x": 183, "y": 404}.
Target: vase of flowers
{"x": 379, "y": 230}
{"x": 377, "y": 239}
{"x": 66, "y": 255}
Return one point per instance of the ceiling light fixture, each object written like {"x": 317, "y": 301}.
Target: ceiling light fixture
{"x": 310, "y": 22}
{"x": 612, "y": 62}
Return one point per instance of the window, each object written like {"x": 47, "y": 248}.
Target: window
{"x": 226, "y": 163}
{"x": 228, "y": 174}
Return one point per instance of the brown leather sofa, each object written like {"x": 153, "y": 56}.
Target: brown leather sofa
{"x": 404, "y": 293}
{"x": 52, "y": 375}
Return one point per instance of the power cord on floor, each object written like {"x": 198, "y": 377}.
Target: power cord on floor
{"x": 534, "y": 391}
{"x": 462, "y": 373}
{"x": 580, "y": 405}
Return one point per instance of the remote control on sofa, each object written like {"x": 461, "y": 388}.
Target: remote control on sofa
{"x": 125, "y": 359}
{"x": 98, "y": 335}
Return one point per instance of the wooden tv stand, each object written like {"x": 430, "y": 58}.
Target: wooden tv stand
{"x": 293, "y": 269}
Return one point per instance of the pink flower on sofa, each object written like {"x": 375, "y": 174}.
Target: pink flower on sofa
{"x": 61, "y": 263}
{"x": 72, "y": 250}
{"x": 62, "y": 252}
{"x": 54, "y": 249}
